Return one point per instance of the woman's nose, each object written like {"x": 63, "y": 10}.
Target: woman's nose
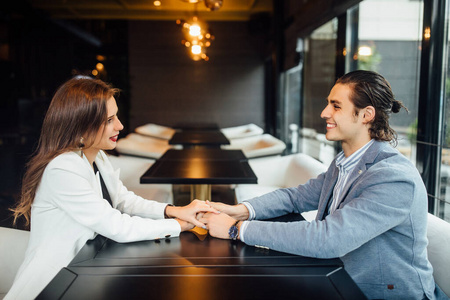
{"x": 119, "y": 125}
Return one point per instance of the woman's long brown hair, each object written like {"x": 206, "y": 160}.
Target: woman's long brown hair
{"x": 76, "y": 113}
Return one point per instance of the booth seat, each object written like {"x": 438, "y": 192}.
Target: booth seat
{"x": 242, "y": 131}
{"x": 131, "y": 169}
{"x": 280, "y": 172}
{"x": 155, "y": 130}
{"x": 142, "y": 146}
{"x": 13, "y": 244}
{"x": 438, "y": 234}
{"x": 258, "y": 146}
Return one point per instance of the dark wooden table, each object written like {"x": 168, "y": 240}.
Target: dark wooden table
{"x": 188, "y": 267}
{"x": 199, "y": 138}
{"x": 196, "y": 126}
{"x": 200, "y": 167}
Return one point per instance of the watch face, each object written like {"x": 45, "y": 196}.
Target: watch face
{"x": 233, "y": 232}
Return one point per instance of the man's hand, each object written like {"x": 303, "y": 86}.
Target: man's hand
{"x": 238, "y": 212}
{"x": 218, "y": 224}
{"x": 185, "y": 225}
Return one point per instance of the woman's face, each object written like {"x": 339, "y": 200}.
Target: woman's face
{"x": 108, "y": 133}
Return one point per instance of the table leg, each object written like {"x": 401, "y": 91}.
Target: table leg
{"x": 201, "y": 191}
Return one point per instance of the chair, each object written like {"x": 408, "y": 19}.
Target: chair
{"x": 155, "y": 130}
{"x": 242, "y": 131}
{"x": 131, "y": 169}
{"x": 13, "y": 244}
{"x": 280, "y": 172}
{"x": 143, "y": 146}
{"x": 438, "y": 249}
{"x": 258, "y": 146}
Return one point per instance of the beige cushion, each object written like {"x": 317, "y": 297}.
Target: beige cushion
{"x": 237, "y": 132}
{"x": 13, "y": 244}
{"x": 439, "y": 251}
{"x": 258, "y": 146}
{"x": 143, "y": 146}
{"x": 155, "y": 130}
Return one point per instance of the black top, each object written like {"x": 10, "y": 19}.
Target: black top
{"x": 104, "y": 189}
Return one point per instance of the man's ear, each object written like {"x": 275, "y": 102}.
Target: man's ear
{"x": 368, "y": 114}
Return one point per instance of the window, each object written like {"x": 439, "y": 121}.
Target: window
{"x": 385, "y": 36}
{"x": 442, "y": 202}
{"x": 319, "y": 78}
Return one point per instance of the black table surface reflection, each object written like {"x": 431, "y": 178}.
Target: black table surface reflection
{"x": 189, "y": 267}
{"x": 200, "y": 166}
{"x": 204, "y": 138}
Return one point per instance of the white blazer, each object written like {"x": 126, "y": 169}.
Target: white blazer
{"x": 69, "y": 209}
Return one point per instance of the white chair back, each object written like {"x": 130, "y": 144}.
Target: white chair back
{"x": 13, "y": 244}
{"x": 439, "y": 251}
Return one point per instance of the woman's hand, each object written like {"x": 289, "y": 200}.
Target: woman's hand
{"x": 189, "y": 212}
{"x": 238, "y": 212}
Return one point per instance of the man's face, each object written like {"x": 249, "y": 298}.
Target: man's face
{"x": 342, "y": 123}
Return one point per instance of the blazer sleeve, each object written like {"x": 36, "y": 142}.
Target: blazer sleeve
{"x": 381, "y": 200}
{"x": 289, "y": 200}
{"x": 71, "y": 190}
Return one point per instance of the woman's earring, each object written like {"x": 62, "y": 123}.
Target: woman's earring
{"x": 81, "y": 143}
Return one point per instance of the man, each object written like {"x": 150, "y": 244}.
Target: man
{"x": 371, "y": 202}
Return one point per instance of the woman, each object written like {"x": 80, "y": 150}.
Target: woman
{"x": 71, "y": 192}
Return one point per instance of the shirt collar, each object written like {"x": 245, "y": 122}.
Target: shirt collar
{"x": 347, "y": 163}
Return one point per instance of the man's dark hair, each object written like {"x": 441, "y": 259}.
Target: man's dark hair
{"x": 371, "y": 89}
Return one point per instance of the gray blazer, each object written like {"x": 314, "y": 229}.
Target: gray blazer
{"x": 379, "y": 229}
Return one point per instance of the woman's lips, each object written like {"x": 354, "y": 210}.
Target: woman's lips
{"x": 114, "y": 138}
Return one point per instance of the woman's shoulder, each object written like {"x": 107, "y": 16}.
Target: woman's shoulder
{"x": 69, "y": 160}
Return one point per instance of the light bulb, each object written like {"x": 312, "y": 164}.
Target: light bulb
{"x": 196, "y": 49}
{"x": 195, "y": 30}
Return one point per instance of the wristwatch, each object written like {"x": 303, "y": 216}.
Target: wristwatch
{"x": 233, "y": 232}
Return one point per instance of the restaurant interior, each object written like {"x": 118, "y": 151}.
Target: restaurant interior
{"x": 258, "y": 70}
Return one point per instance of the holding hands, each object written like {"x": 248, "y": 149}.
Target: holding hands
{"x": 186, "y": 215}
{"x": 215, "y": 216}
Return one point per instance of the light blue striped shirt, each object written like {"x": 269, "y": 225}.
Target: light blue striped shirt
{"x": 345, "y": 166}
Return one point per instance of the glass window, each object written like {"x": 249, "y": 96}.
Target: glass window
{"x": 319, "y": 78}
{"x": 442, "y": 204}
{"x": 388, "y": 40}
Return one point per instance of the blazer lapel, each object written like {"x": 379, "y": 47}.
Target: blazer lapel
{"x": 327, "y": 191}
{"x": 363, "y": 165}
{"x": 109, "y": 175}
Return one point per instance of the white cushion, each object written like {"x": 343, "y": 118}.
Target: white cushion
{"x": 286, "y": 171}
{"x": 280, "y": 172}
{"x": 439, "y": 251}
{"x": 155, "y": 130}
{"x": 13, "y": 244}
{"x": 302, "y": 168}
{"x": 242, "y": 131}
{"x": 144, "y": 146}
{"x": 249, "y": 191}
{"x": 258, "y": 146}
{"x": 131, "y": 170}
